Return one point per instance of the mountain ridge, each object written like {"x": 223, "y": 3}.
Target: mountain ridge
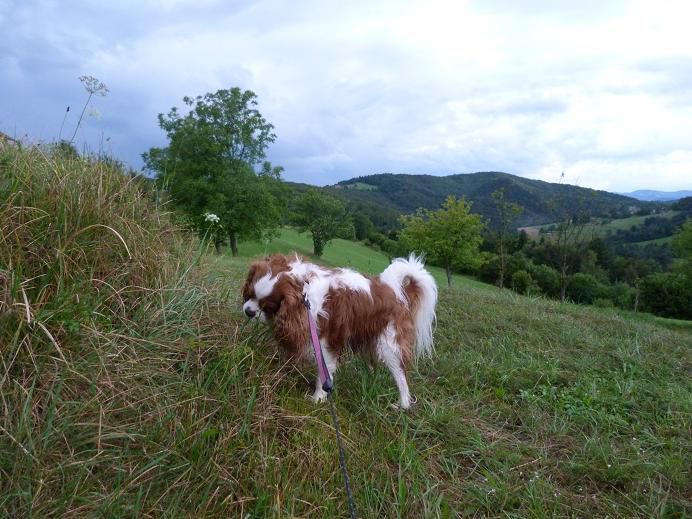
{"x": 542, "y": 201}
{"x": 653, "y": 195}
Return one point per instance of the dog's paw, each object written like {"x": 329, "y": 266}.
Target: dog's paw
{"x": 403, "y": 406}
{"x": 319, "y": 396}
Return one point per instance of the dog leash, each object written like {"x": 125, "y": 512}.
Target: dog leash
{"x": 328, "y": 387}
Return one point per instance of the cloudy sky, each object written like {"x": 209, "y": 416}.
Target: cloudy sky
{"x": 601, "y": 90}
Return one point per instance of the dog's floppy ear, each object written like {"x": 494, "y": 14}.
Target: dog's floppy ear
{"x": 247, "y": 287}
{"x": 291, "y": 321}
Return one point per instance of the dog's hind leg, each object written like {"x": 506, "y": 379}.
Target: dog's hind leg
{"x": 389, "y": 352}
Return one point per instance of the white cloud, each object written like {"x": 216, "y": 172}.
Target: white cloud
{"x": 600, "y": 90}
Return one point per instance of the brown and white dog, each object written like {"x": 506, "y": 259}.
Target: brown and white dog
{"x": 387, "y": 318}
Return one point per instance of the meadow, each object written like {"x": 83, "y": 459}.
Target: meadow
{"x": 340, "y": 253}
{"x": 605, "y": 228}
{"x": 132, "y": 386}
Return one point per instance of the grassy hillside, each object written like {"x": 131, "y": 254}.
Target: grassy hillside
{"x": 531, "y": 408}
{"x": 405, "y": 193}
{"x": 132, "y": 386}
{"x": 342, "y": 253}
{"x": 609, "y": 227}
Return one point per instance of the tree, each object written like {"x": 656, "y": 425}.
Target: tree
{"x": 209, "y": 164}
{"x": 507, "y": 213}
{"x": 684, "y": 204}
{"x": 570, "y": 235}
{"x": 523, "y": 283}
{"x": 449, "y": 237}
{"x": 667, "y": 294}
{"x": 362, "y": 225}
{"x": 324, "y": 216}
{"x": 633, "y": 271}
{"x": 682, "y": 246}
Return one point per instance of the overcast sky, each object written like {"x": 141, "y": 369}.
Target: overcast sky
{"x": 601, "y": 90}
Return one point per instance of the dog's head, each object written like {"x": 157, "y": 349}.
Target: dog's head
{"x": 261, "y": 296}
{"x": 272, "y": 294}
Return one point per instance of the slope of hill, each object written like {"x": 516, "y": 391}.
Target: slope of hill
{"x": 651, "y": 195}
{"x": 405, "y": 193}
{"x": 131, "y": 385}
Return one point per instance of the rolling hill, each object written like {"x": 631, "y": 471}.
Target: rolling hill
{"x": 651, "y": 195}
{"x": 399, "y": 193}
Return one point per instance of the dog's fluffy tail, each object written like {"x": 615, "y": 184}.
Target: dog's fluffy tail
{"x": 414, "y": 286}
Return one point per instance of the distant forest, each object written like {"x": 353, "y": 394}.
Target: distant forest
{"x": 383, "y": 197}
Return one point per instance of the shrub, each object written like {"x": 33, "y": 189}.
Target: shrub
{"x": 584, "y": 288}
{"x": 668, "y": 295}
{"x": 622, "y": 295}
{"x": 489, "y": 271}
{"x": 547, "y": 279}
{"x": 603, "y": 302}
{"x": 523, "y": 283}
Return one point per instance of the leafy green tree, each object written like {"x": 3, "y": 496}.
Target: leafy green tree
{"x": 585, "y": 288}
{"x": 507, "y": 213}
{"x": 547, "y": 279}
{"x": 324, "y": 216}
{"x": 667, "y": 294}
{"x": 570, "y": 236}
{"x": 684, "y": 204}
{"x": 633, "y": 271}
{"x": 682, "y": 246}
{"x": 209, "y": 164}
{"x": 362, "y": 225}
{"x": 449, "y": 237}
{"x": 523, "y": 283}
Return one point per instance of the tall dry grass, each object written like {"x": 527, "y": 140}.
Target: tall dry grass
{"x": 101, "y": 314}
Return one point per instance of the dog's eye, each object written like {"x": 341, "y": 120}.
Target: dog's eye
{"x": 269, "y": 307}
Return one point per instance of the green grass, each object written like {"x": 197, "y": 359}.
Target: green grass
{"x": 659, "y": 241}
{"x": 531, "y": 408}
{"x": 156, "y": 398}
{"x": 603, "y": 229}
{"x": 360, "y": 186}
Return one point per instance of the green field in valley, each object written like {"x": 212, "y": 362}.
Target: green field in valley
{"x": 602, "y": 229}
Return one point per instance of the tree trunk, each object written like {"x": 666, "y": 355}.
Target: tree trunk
{"x": 503, "y": 262}
{"x": 233, "y": 238}
{"x": 217, "y": 244}
{"x": 317, "y": 246}
{"x": 563, "y": 283}
{"x": 636, "y": 298}
{"x": 448, "y": 271}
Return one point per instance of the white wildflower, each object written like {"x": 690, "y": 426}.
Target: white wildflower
{"x": 211, "y": 218}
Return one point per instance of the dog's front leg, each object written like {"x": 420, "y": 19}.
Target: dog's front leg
{"x": 320, "y": 395}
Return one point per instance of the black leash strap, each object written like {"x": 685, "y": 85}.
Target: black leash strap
{"x": 342, "y": 457}
{"x": 328, "y": 387}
